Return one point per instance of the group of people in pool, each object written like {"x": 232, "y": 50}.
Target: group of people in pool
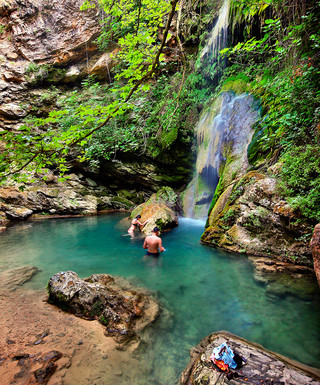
{"x": 153, "y": 243}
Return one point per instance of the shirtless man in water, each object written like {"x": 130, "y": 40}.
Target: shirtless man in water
{"x": 153, "y": 243}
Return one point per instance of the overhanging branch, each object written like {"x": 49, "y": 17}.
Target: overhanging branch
{"x": 136, "y": 86}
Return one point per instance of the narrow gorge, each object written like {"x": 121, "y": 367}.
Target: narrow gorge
{"x": 203, "y": 118}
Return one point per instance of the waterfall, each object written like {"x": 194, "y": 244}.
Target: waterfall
{"x": 224, "y": 132}
{"x": 219, "y": 34}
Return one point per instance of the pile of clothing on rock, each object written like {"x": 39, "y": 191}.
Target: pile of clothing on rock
{"x": 224, "y": 358}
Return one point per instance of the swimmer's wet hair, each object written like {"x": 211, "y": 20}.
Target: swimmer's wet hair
{"x": 156, "y": 229}
{"x": 138, "y": 216}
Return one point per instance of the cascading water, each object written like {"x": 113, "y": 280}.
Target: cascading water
{"x": 219, "y": 34}
{"x": 221, "y": 137}
{"x": 224, "y": 130}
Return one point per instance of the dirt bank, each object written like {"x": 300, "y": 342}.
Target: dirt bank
{"x": 32, "y": 334}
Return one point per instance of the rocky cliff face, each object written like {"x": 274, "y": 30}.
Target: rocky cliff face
{"x": 251, "y": 217}
{"x": 315, "y": 248}
{"x": 77, "y": 195}
{"x": 42, "y": 41}
{"x": 49, "y": 31}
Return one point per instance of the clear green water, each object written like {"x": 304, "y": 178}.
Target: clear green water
{"x": 203, "y": 289}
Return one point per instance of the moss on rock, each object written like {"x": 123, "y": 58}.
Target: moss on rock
{"x": 250, "y": 217}
{"x": 159, "y": 210}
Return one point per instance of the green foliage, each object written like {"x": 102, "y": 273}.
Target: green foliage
{"x": 238, "y": 84}
{"x": 48, "y": 142}
{"x": 134, "y": 25}
{"x": 2, "y": 28}
{"x": 37, "y": 73}
{"x": 280, "y": 67}
{"x": 104, "y": 320}
{"x": 218, "y": 191}
{"x": 174, "y": 111}
{"x": 230, "y": 215}
{"x": 32, "y": 68}
{"x": 151, "y": 122}
{"x": 97, "y": 309}
{"x": 252, "y": 221}
{"x": 290, "y": 99}
{"x": 243, "y": 11}
{"x": 254, "y": 152}
{"x": 157, "y": 120}
{"x": 237, "y": 191}
{"x": 168, "y": 195}
{"x": 301, "y": 180}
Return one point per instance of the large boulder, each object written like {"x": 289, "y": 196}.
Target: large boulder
{"x": 262, "y": 367}
{"x": 124, "y": 310}
{"x": 315, "y": 249}
{"x": 250, "y": 217}
{"x": 160, "y": 210}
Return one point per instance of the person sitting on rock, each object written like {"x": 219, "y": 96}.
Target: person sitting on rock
{"x": 153, "y": 243}
{"x": 135, "y": 223}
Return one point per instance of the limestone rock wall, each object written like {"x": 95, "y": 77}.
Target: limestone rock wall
{"x": 42, "y": 43}
{"x": 52, "y": 31}
{"x": 77, "y": 195}
{"x": 251, "y": 217}
{"x": 315, "y": 248}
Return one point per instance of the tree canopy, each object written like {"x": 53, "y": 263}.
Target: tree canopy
{"x": 132, "y": 26}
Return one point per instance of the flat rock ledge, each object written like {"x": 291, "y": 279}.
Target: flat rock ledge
{"x": 262, "y": 367}
{"x": 124, "y": 310}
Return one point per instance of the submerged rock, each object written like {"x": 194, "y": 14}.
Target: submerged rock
{"x": 124, "y": 310}
{"x": 262, "y": 366}
{"x": 282, "y": 279}
{"x": 36, "y": 368}
{"x": 13, "y": 278}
